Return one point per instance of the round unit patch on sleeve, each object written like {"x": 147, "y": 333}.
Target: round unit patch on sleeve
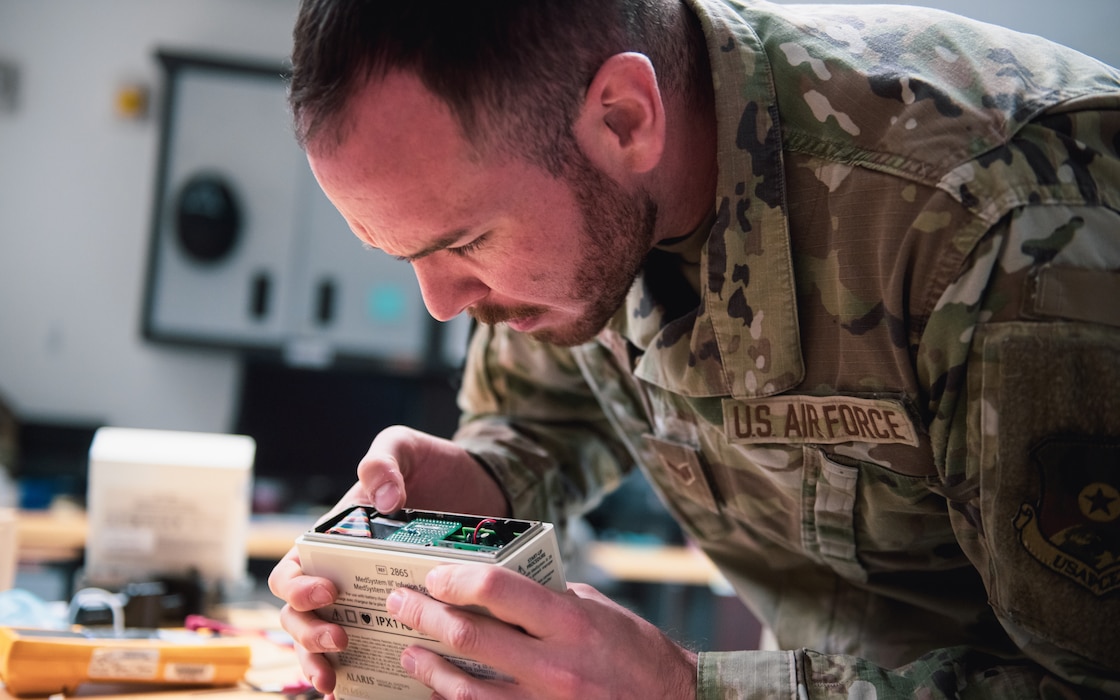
{"x": 1074, "y": 529}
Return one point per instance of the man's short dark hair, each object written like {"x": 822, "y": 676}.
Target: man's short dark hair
{"x": 513, "y": 72}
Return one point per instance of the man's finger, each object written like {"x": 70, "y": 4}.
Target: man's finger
{"x": 504, "y": 594}
{"x": 469, "y": 634}
{"x": 288, "y": 568}
{"x": 380, "y": 472}
{"x": 311, "y": 632}
{"x": 317, "y": 669}
{"x": 448, "y": 680}
{"x": 288, "y": 582}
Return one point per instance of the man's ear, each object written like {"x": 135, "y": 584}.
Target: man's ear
{"x": 621, "y": 125}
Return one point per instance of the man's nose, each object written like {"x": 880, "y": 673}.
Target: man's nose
{"x": 446, "y": 292}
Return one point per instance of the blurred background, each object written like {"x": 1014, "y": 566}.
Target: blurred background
{"x": 166, "y": 261}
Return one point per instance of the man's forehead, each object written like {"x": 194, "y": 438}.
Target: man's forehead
{"x": 397, "y": 105}
{"x": 401, "y": 152}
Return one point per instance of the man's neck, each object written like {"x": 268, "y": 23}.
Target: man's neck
{"x": 684, "y": 183}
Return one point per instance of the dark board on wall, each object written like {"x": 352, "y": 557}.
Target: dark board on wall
{"x": 247, "y": 252}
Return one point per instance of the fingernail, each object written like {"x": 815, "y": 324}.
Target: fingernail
{"x": 320, "y": 596}
{"x": 327, "y": 642}
{"x": 393, "y": 603}
{"x": 387, "y": 497}
{"x": 408, "y": 663}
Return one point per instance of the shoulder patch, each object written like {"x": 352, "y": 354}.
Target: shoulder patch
{"x": 1074, "y": 528}
{"x": 818, "y": 420}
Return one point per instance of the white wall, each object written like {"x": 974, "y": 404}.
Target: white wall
{"x": 76, "y": 189}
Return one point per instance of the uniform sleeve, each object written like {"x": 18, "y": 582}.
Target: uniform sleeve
{"x": 1032, "y": 449}
{"x": 530, "y": 418}
{"x": 945, "y": 674}
{"x": 1035, "y": 441}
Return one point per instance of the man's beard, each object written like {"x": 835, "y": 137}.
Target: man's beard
{"x": 617, "y": 233}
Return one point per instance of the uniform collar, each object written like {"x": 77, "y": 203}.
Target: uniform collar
{"x": 743, "y": 338}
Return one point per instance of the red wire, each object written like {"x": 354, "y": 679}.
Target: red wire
{"x": 478, "y": 527}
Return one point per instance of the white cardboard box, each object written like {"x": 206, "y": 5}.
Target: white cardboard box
{"x": 168, "y": 503}
{"x": 9, "y": 546}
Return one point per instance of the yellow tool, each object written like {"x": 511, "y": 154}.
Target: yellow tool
{"x": 44, "y": 662}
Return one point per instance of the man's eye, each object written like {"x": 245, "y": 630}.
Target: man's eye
{"x": 468, "y": 248}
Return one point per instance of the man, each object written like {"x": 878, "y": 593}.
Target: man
{"x": 840, "y": 280}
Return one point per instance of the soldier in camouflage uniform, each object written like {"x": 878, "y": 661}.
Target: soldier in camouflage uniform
{"x": 879, "y": 385}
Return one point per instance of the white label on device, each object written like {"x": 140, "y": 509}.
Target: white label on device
{"x": 120, "y": 664}
{"x": 189, "y": 673}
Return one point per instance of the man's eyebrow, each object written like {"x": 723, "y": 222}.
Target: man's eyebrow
{"x": 443, "y": 243}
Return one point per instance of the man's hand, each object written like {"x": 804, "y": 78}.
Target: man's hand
{"x": 574, "y": 646}
{"x": 429, "y": 472}
{"x": 433, "y": 474}
{"x": 302, "y": 595}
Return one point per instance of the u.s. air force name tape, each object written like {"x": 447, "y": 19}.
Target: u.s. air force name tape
{"x": 818, "y": 419}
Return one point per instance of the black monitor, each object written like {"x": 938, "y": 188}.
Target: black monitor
{"x": 312, "y": 426}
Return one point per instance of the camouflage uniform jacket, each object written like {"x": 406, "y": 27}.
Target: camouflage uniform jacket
{"x": 881, "y": 388}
